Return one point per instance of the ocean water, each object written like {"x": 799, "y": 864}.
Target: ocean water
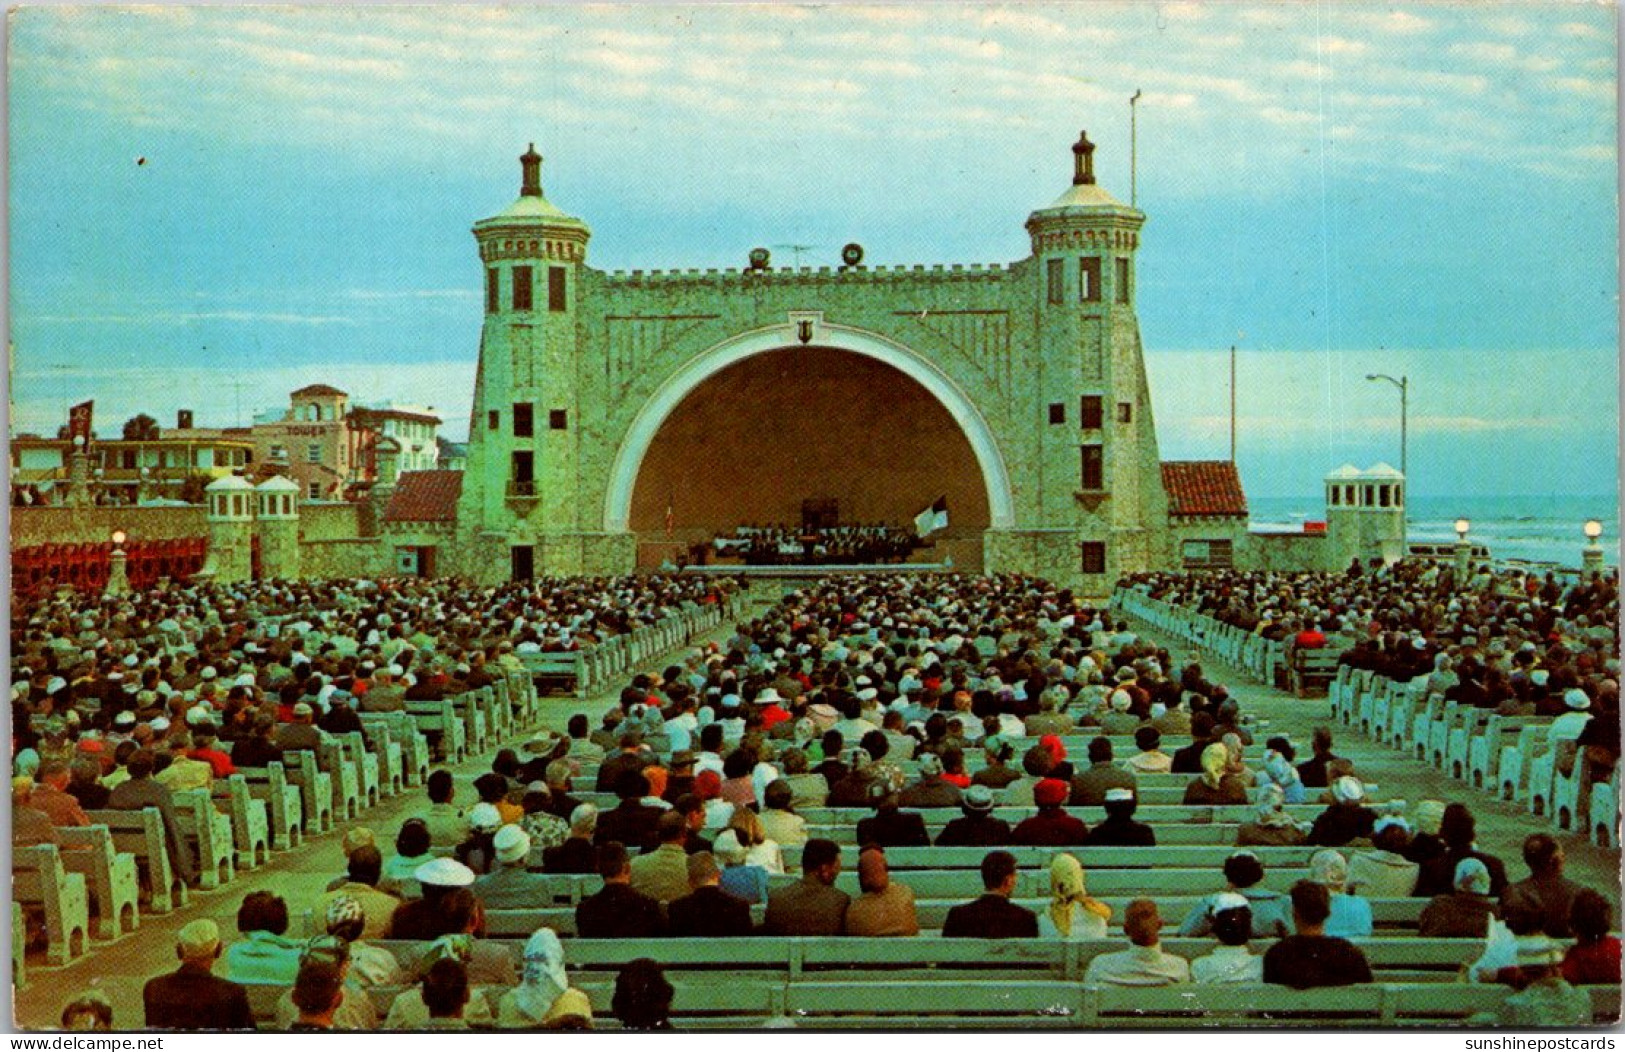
{"x": 1538, "y": 529}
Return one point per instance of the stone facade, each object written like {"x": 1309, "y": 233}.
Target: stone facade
{"x": 578, "y": 368}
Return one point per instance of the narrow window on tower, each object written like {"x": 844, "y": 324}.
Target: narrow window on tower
{"x": 555, "y": 289}
{"x": 524, "y": 283}
{"x": 1094, "y": 467}
{"x": 1125, "y": 412}
{"x": 493, "y": 419}
{"x": 1089, "y": 279}
{"x": 1090, "y": 412}
{"x": 1057, "y": 412}
{"x": 1094, "y": 556}
{"x": 558, "y": 419}
{"x": 1057, "y": 281}
{"x": 493, "y": 297}
{"x": 1122, "y": 280}
{"x": 523, "y": 480}
{"x": 523, "y": 420}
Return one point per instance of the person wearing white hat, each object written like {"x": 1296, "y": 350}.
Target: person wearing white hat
{"x": 191, "y": 997}
{"x": 1347, "y": 818}
{"x": 510, "y": 885}
{"x": 1383, "y": 872}
{"x": 1230, "y": 961}
{"x": 1350, "y": 916}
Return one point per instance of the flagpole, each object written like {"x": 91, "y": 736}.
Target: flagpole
{"x": 1134, "y": 149}
{"x": 1232, "y": 403}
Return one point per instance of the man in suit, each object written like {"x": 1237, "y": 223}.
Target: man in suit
{"x": 140, "y": 791}
{"x": 192, "y": 997}
{"x": 617, "y": 912}
{"x": 812, "y": 905}
{"x": 630, "y": 758}
{"x": 1089, "y": 786}
{"x": 631, "y": 822}
{"x": 708, "y": 911}
{"x": 889, "y": 827}
{"x": 662, "y": 874}
{"x": 993, "y": 916}
{"x": 976, "y": 827}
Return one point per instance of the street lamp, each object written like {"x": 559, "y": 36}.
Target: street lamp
{"x": 1591, "y": 554}
{"x": 118, "y": 580}
{"x": 1404, "y": 385}
{"x": 1464, "y": 553}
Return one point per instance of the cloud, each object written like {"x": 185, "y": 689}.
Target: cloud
{"x": 192, "y": 317}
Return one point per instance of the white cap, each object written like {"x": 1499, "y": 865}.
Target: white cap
{"x": 444, "y": 873}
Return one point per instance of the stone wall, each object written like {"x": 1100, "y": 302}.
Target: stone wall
{"x": 357, "y": 557}
{"x": 1287, "y": 551}
{"x": 52, "y": 525}
{"x": 329, "y": 522}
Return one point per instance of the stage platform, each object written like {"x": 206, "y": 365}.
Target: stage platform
{"x": 802, "y": 571}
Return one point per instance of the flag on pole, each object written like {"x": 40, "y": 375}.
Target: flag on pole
{"x": 671, "y": 520}
{"x": 79, "y": 421}
{"x": 933, "y": 518}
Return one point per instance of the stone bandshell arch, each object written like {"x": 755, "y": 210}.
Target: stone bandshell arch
{"x": 695, "y": 371}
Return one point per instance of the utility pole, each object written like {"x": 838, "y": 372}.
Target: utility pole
{"x": 1134, "y": 149}
{"x": 1232, "y": 403}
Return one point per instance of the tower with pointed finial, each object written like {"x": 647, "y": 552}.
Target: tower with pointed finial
{"x": 1101, "y": 476}
{"x": 518, "y": 508}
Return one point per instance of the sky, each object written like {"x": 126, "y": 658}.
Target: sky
{"x": 212, "y": 206}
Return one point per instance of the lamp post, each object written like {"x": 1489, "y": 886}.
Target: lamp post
{"x": 1591, "y": 554}
{"x": 1404, "y": 385}
{"x": 118, "y": 581}
{"x": 1464, "y": 553}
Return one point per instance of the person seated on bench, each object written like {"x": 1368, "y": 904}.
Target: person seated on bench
{"x": 1119, "y": 829}
{"x": 29, "y": 825}
{"x": 616, "y": 911}
{"x": 442, "y": 1002}
{"x": 993, "y": 916}
{"x": 509, "y": 884}
{"x": 264, "y": 955}
{"x": 50, "y": 795}
{"x": 1546, "y": 890}
{"x": 1217, "y": 785}
{"x": 741, "y": 878}
{"x": 1150, "y": 759}
{"x": 976, "y": 826}
{"x": 930, "y": 789}
{"x": 257, "y": 749}
{"x": 1594, "y": 957}
{"x": 662, "y": 874}
{"x": 1277, "y": 770}
{"x": 1311, "y": 958}
{"x": 1350, "y": 916}
{"x": 364, "y": 872}
{"x": 889, "y": 826}
{"x": 1465, "y": 912}
{"x": 576, "y": 854}
{"x": 1230, "y": 961}
{"x": 1383, "y": 871}
{"x": 1144, "y": 963}
{"x": 1073, "y": 913}
{"x": 91, "y": 1011}
{"x": 1272, "y": 826}
{"x": 1313, "y": 770}
{"x": 1051, "y": 826}
{"x": 1271, "y": 913}
{"x": 369, "y": 965}
{"x": 1458, "y": 830}
{"x": 886, "y": 907}
{"x": 642, "y": 999}
{"x": 631, "y": 822}
{"x": 1547, "y": 999}
{"x": 317, "y": 994}
{"x": 1347, "y": 818}
{"x": 191, "y": 997}
{"x": 399, "y": 874}
{"x": 706, "y": 911}
{"x": 812, "y": 905}
{"x": 779, "y": 823}
{"x": 544, "y": 998}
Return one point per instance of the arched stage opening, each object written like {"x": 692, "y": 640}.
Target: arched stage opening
{"x": 761, "y": 437}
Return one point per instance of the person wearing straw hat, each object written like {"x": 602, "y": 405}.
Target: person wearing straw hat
{"x": 976, "y": 826}
{"x": 192, "y": 997}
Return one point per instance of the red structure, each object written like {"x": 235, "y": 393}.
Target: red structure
{"x": 85, "y": 567}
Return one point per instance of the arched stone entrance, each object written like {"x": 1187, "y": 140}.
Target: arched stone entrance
{"x": 950, "y": 429}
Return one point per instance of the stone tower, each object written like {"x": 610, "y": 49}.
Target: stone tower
{"x": 1365, "y": 514}
{"x": 520, "y": 513}
{"x": 278, "y": 527}
{"x": 229, "y": 506}
{"x": 1101, "y": 497}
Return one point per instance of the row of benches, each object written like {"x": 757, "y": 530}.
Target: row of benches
{"x": 1508, "y": 756}
{"x": 582, "y": 672}
{"x": 119, "y": 866}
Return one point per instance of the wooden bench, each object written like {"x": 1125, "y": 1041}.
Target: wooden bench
{"x": 250, "y": 820}
{"x": 39, "y": 878}
{"x": 1312, "y": 668}
{"x": 19, "y": 947}
{"x": 141, "y": 833}
{"x": 900, "y": 860}
{"x": 111, "y": 879}
{"x": 405, "y": 736}
{"x": 562, "y": 671}
{"x": 438, "y": 718}
{"x": 367, "y": 767}
{"x": 210, "y": 834}
{"x": 467, "y": 708}
{"x": 342, "y": 776}
{"x": 315, "y": 789}
{"x": 285, "y": 809}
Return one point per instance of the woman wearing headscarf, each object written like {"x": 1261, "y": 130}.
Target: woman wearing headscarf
{"x": 1215, "y": 785}
{"x": 1073, "y": 914}
{"x": 543, "y": 999}
{"x": 1278, "y": 771}
{"x": 1237, "y": 765}
{"x": 1347, "y": 819}
{"x": 1271, "y": 825}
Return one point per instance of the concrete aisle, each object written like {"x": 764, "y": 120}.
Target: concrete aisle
{"x": 1502, "y": 826}
{"x": 121, "y": 968}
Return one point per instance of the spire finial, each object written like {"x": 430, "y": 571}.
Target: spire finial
{"x": 1083, "y": 154}
{"x": 530, "y": 162}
